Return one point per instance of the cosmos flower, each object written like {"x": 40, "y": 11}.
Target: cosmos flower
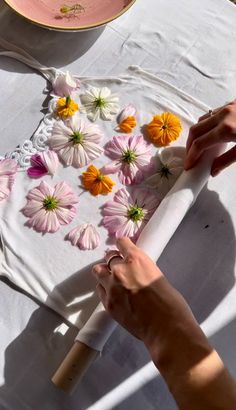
{"x": 131, "y": 158}
{"x": 48, "y": 208}
{"x": 42, "y": 164}
{"x": 169, "y": 166}
{"x": 65, "y": 84}
{"x": 99, "y": 102}
{"x": 128, "y": 213}
{"x": 8, "y": 168}
{"x": 164, "y": 128}
{"x": 84, "y": 236}
{"x": 96, "y": 182}
{"x": 66, "y": 107}
{"x": 76, "y": 142}
{"x": 127, "y": 120}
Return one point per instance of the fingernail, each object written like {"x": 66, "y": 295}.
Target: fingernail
{"x": 215, "y": 172}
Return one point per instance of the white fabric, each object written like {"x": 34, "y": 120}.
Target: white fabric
{"x": 155, "y": 237}
{"x": 47, "y": 266}
{"x": 192, "y": 46}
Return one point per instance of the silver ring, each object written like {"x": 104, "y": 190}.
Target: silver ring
{"x": 116, "y": 254}
{"x": 210, "y": 112}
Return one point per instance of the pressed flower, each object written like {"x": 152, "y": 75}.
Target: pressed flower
{"x": 169, "y": 166}
{"x": 8, "y": 168}
{"x": 76, "y": 142}
{"x": 96, "y": 182}
{"x": 131, "y": 158}
{"x": 99, "y": 102}
{"x": 128, "y": 213}
{"x": 164, "y": 128}
{"x": 42, "y": 164}
{"x": 50, "y": 207}
{"x": 84, "y": 236}
{"x": 65, "y": 84}
{"x": 66, "y": 107}
{"x": 127, "y": 120}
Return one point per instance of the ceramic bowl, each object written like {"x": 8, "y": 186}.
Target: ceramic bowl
{"x": 69, "y": 15}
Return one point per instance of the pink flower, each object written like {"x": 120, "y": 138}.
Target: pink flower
{"x": 64, "y": 84}
{"x": 8, "y": 168}
{"x": 48, "y": 207}
{"x": 42, "y": 164}
{"x": 128, "y": 213}
{"x": 84, "y": 236}
{"x": 132, "y": 158}
{"x": 76, "y": 142}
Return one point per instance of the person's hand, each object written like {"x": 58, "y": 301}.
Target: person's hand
{"x": 216, "y": 127}
{"x": 139, "y": 297}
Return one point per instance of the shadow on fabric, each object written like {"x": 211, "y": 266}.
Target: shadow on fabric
{"x": 31, "y": 359}
{"x": 47, "y": 46}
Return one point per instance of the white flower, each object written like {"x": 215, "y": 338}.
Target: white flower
{"x": 169, "y": 166}
{"x": 84, "y": 236}
{"x": 99, "y": 102}
{"x": 76, "y": 142}
{"x": 64, "y": 84}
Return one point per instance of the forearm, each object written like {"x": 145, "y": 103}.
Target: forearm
{"x": 193, "y": 371}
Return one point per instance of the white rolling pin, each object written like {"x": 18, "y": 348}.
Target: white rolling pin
{"x": 153, "y": 239}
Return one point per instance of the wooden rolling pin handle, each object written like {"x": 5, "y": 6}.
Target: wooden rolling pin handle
{"x": 74, "y": 366}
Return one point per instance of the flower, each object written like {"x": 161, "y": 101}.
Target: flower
{"x": 66, "y": 107}
{"x": 169, "y": 166}
{"x": 65, "y": 84}
{"x": 127, "y": 120}
{"x": 100, "y": 103}
{"x": 128, "y": 213}
{"x": 76, "y": 142}
{"x": 95, "y": 182}
{"x": 42, "y": 164}
{"x": 8, "y": 168}
{"x": 48, "y": 207}
{"x": 84, "y": 236}
{"x": 164, "y": 128}
{"x": 132, "y": 158}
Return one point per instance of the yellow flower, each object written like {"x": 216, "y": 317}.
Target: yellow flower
{"x": 95, "y": 182}
{"x": 66, "y": 107}
{"x": 164, "y": 128}
{"x": 128, "y": 124}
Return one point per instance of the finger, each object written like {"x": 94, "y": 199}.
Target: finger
{"x": 200, "y": 145}
{"x": 100, "y": 270}
{"x": 200, "y": 129}
{"x": 213, "y": 112}
{"x": 102, "y": 294}
{"x": 223, "y": 161}
{"x": 125, "y": 245}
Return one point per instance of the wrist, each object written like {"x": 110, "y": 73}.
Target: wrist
{"x": 179, "y": 350}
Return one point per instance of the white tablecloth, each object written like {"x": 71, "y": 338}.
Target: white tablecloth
{"x": 193, "y": 48}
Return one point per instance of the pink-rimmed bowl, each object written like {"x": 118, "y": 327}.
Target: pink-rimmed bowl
{"x": 70, "y": 15}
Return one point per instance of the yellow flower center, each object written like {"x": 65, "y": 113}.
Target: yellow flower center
{"x": 128, "y": 156}
{"x": 50, "y": 203}
{"x": 77, "y": 138}
{"x": 135, "y": 213}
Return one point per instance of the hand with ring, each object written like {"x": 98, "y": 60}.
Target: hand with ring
{"x": 218, "y": 126}
{"x": 138, "y": 296}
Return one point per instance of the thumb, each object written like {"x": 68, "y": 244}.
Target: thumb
{"x": 125, "y": 245}
{"x": 223, "y": 161}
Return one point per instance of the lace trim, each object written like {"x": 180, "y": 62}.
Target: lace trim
{"x": 38, "y": 141}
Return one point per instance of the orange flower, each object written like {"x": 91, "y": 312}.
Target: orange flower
{"x": 128, "y": 124}
{"x": 95, "y": 182}
{"x": 66, "y": 107}
{"x": 164, "y": 128}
